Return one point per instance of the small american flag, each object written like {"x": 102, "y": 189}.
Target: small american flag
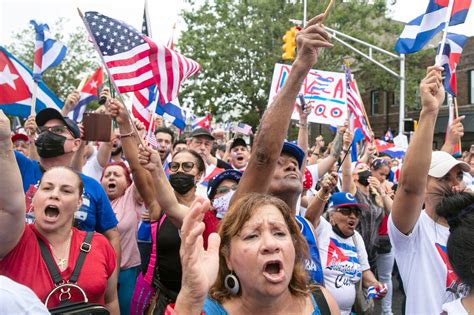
{"x": 243, "y": 129}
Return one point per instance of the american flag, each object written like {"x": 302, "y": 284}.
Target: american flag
{"x": 243, "y": 128}
{"x": 48, "y": 51}
{"x": 356, "y": 107}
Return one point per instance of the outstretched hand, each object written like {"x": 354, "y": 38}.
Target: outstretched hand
{"x": 199, "y": 266}
{"x": 432, "y": 89}
{"x": 310, "y": 40}
{"x": 456, "y": 130}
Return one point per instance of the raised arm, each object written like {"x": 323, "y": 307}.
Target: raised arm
{"x": 316, "y": 206}
{"x": 12, "y": 199}
{"x": 274, "y": 123}
{"x": 455, "y": 133}
{"x": 164, "y": 193}
{"x": 411, "y": 186}
{"x": 71, "y": 101}
{"x": 30, "y": 128}
{"x": 141, "y": 177}
{"x": 347, "y": 182}
{"x": 324, "y": 165}
{"x": 303, "y": 132}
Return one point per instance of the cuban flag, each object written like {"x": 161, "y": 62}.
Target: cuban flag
{"x": 48, "y": 51}
{"x": 202, "y": 122}
{"x": 16, "y": 84}
{"x": 89, "y": 92}
{"x": 421, "y": 30}
{"x": 172, "y": 112}
{"x": 388, "y": 135}
{"x": 450, "y": 58}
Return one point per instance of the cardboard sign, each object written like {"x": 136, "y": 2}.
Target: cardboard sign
{"x": 325, "y": 92}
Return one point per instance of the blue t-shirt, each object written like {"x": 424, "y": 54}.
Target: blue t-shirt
{"x": 312, "y": 265}
{"x": 212, "y": 307}
{"x": 95, "y": 214}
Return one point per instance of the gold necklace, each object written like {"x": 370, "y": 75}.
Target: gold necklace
{"x": 62, "y": 262}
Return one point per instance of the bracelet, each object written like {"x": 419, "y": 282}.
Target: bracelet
{"x": 303, "y": 125}
{"x": 126, "y": 134}
{"x": 321, "y": 198}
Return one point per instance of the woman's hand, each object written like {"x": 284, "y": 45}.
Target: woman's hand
{"x": 148, "y": 158}
{"x": 199, "y": 266}
{"x": 117, "y": 110}
{"x": 374, "y": 183}
{"x": 328, "y": 183}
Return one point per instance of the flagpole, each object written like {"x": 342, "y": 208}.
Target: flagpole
{"x": 147, "y": 19}
{"x": 445, "y": 32}
{"x": 33, "y": 96}
{"x": 86, "y": 24}
{"x": 363, "y": 109}
{"x": 456, "y": 115}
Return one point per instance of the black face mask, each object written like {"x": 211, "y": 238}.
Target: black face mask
{"x": 364, "y": 177}
{"x": 50, "y": 145}
{"x": 338, "y": 231}
{"x": 182, "y": 182}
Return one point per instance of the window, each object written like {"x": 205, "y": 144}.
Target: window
{"x": 471, "y": 86}
{"x": 375, "y": 101}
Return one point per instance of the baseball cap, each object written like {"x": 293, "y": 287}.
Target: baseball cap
{"x": 294, "y": 151}
{"x": 442, "y": 162}
{"x": 343, "y": 199}
{"x": 47, "y": 114}
{"x": 201, "y": 132}
{"x": 20, "y": 136}
{"x": 238, "y": 142}
{"x": 219, "y": 178}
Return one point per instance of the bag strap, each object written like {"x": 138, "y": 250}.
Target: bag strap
{"x": 85, "y": 248}
{"x": 53, "y": 268}
{"x": 50, "y": 263}
{"x": 321, "y": 301}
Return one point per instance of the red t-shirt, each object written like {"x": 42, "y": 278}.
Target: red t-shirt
{"x": 25, "y": 265}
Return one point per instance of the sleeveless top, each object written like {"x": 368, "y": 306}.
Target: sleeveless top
{"x": 312, "y": 265}
{"x": 212, "y": 307}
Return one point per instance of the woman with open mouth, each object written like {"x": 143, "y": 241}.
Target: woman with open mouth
{"x": 58, "y": 197}
{"x": 258, "y": 259}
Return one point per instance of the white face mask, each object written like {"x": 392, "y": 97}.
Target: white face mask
{"x": 221, "y": 204}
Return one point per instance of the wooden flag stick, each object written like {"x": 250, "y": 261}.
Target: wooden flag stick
{"x": 82, "y": 83}
{"x": 456, "y": 115}
{"x": 328, "y": 8}
{"x": 33, "y": 98}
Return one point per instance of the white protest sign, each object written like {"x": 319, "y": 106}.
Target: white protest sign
{"x": 324, "y": 91}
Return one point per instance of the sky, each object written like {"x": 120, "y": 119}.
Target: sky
{"x": 16, "y": 14}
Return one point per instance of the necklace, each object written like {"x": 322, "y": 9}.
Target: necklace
{"x": 62, "y": 262}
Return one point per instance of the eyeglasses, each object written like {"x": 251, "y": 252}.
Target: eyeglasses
{"x": 348, "y": 211}
{"x": 186, "y": 166}
{"x": 58, "y": 130}
{"x": 225, "y": 189}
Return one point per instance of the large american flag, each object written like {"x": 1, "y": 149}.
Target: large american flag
{"x": 356, "y": 107}
{"x": 135, "y": 61}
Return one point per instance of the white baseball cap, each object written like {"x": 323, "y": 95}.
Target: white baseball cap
{"x": 442, "y": 162}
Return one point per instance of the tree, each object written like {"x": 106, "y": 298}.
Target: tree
{"x": 81, "y": 59}
{"x": 238, "y": 43}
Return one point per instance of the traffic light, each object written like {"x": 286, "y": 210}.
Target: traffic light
{"x": 289, "y": 46}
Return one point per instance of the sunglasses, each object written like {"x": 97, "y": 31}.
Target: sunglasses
{"x": 186, "y": 166}
{"x": 347, "y": 211}
{"x": 225, "y": 190}
{"x": 58, "y": 130}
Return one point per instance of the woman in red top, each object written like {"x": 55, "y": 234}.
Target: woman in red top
{"x": 58, "y": 197}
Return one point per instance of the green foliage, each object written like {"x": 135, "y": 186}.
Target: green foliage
{"x": 238, "y": 43}
{"x": 81, "y": 59}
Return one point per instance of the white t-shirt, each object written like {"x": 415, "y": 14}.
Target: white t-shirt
{"x": 428, "y": 278}
{"x": 19, "y": 299}
{"x": 92, "y": 167}
{"x": 455, "y": 308}
{"x": 341, "y": 266}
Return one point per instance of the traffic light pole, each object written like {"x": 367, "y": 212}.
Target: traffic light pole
{"x": 401, "y": 75}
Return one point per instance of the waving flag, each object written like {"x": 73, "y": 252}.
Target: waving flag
{"x": 89, "y": 92}
{"x": 450, "y": 58}
{"x": 388, "y": 135}
{"x": 48, "y": 51}
{"x": 243, "y": 129}
{"x": 421, "y": 30}
{"x": 356, "y": 107}
{"x": 202, "y": 122}
{"x": 16, "y": 83}
{"x": 135, "y": 61}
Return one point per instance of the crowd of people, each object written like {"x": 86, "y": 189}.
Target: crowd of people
{"x": 213, "y": 224}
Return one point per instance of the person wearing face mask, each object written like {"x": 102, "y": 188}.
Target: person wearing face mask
{"x": 418, "y": 232}
{"x": 220, "y": 191}
{"x": 366, "y": 188}
{"x": 343, "y": 255}
{"x": 58, "y": 139}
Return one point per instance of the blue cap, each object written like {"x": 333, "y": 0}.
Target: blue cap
{"x": 49, "y": 113}
{"x": 294, "y": 151}
{"x": 343, "y": 199}
{"x": 219, "y": 178}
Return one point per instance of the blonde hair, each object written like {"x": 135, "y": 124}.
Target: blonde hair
{"x": 239, "y": 213}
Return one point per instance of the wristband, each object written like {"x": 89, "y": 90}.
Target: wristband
{"x": 126, "y": 134}
{"x": 303, "y": 125}
{"x": 321, "y": 198}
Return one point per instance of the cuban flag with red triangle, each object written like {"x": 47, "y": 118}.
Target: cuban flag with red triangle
{"x": 16, "y": 83}
{"x": 450, "y": 58}
{"x": 89, "y": 92}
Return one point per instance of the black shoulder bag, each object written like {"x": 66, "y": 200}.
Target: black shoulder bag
{"x": 66, "y": 306}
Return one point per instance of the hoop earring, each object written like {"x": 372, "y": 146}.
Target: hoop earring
{"x": 231, "y": 283}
